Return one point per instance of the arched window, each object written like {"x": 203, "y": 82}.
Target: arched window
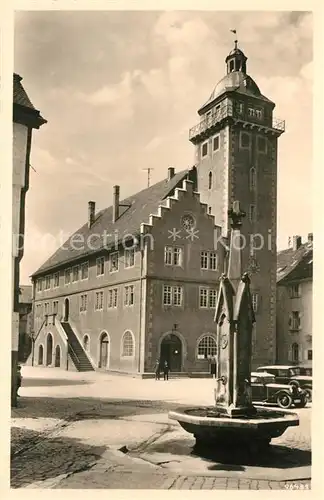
{"x": 295, "y": 352}
{"x": 86, "y": 343}
{"x": 206, "y": 347}
{"x": 40, "y": 355}
{"x": 128, "y": 345}
{"x": 252, "y": 178}
{"x": 210, "y": 180}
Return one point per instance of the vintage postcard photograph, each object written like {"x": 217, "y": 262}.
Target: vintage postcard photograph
{"x": 162, "y": 255}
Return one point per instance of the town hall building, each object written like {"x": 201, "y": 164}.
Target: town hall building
{"x": 139, "y": 280}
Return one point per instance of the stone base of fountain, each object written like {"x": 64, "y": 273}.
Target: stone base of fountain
{"x": 212, "y": 428}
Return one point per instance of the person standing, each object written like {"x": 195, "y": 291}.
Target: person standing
{"x": 157, "y": 369}
{"x": 166, "y": 370}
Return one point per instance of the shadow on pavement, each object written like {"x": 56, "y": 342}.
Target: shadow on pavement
{"x": 52, "y": 382}
{"x": 86, "y": 408}
{"x": 47, "y": 457}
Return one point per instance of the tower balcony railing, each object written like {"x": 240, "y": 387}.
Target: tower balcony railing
{"x": 229, "y": 111}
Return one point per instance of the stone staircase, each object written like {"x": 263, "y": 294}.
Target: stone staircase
{"x": 78, "y": 356}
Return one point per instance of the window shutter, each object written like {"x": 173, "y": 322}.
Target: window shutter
{"x": 299, "y": 321}
{"x": 289, "y": 353}
{"x": 290, "y": 320}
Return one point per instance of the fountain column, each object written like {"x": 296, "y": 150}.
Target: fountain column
{"x": 234, "y": 317}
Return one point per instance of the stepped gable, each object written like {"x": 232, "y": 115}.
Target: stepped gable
{"x": 295, "y": 264}
{"x": 139, "y": 209}
{"x": 166, "y": 205}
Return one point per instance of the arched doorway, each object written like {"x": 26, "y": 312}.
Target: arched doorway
{"x": 66, "y": 310}
{"x": 104, "y": 351}
{"x": 171, "y": 351}
{"x": 49, "y": 349}
{"x": 40, "y": 355}
{"x": 57, "y": 356}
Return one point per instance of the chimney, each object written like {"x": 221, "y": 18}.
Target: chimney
{"x": 171, "y": 172}
{"x": 91, "y": 212}
{"x": 310, "y": 237}
{"x": 297, "y": 241}
{"x": 115, "y": 203}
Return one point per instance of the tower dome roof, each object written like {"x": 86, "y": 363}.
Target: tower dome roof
{"x": 236, "y": 81}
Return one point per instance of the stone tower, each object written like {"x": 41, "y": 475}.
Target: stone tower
{"x": 236, "y": 159}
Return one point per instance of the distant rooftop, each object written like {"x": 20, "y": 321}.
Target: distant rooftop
{"x": 295, "y": 263}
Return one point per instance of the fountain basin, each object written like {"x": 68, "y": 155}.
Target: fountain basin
{"x": 210, "y": 427}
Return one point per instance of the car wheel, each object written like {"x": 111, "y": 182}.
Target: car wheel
{"x": 308, "y": 393}
{"x": 284, "y": 400}
{"x": 302, "y": 404}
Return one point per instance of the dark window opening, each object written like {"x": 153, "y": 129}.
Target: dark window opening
{"x": 210, "y": 180}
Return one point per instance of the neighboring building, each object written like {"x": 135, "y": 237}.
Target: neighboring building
{"x": 25, "y": 318}
{"x": 101, "y": 306}
{"x": 25, "y": 119}
{"x": 294, "y": 302}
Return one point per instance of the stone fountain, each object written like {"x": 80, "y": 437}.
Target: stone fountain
{"x": 234, "y": 420}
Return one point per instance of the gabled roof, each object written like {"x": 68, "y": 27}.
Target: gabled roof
{"x": 225, "y": 299}
{"x": 23, "y": 109}
{"x": 294, "y": 265}
{"x": 25, "y": 294}
{"x": 103, "y": 231}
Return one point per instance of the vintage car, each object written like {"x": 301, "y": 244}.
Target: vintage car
{"x": 291, "y": 374}
{"x": 266, "y": 390}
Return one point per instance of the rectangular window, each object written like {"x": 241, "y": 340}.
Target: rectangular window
{"x": 309, "y": 355}
{"x": 251, "y": 112}
{"x": 46, "y": 308}
{"x": 40, "y": 284}
{"x": 129, "y": 257}
{"x": 75, "y": 274}
{"x": 216, "y": 143}
{"x": 212, "y": 299}
{"x": 177, "y": 295}
{"x": 48, "y": 282}
{"x": 252, "y": 213}
{"x": 204, "y": 260}
{"x": 55, "y": 307}
{"x": 244, "y": 140}
{"x": 129, "y": 295}
{"x": 112, "y": 298}
{"x": 207, "y": 298}
{"x": 83, "y": 302}
{"x": 113, "y": 262}
{"x": 262, "y": 144}
{"x": 203, "y": 297}
{"x": 67, "y": 276}
{"x": 173, "y": 256}
{"x": 208, "y": 261}
{"x": 56, "y": 280}
{"x": 204, "y": 149}
{"x": 100, "y": 266}
{"x": 99, "y": 301}
{"x": 240, "y": 108}
{"x": 255, "y": 300}
{"x": 294, "y": 291}
{"x": 85, "y": 270}
{"x": 167, "y": 295}
{"x": 213, "y": 261}
{"x": 295, "y": 320}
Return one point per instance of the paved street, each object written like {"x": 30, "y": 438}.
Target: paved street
{"x": 93, "y": 430}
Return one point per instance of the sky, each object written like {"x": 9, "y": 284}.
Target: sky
{"x": 120, "y": 91}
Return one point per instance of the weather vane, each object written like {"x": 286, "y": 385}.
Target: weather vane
{"x": 235, "y": 41}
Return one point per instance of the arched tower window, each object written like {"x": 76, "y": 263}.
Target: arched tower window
{"x": 252, "y": 178}
{"x": 128, "y": 345}
{"x": 210, "y": 180}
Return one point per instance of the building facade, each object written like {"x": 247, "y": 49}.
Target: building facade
{"x": 25, "y": 119}
{"x": 294, "y": 303}
{"x": 110, "y": 306}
